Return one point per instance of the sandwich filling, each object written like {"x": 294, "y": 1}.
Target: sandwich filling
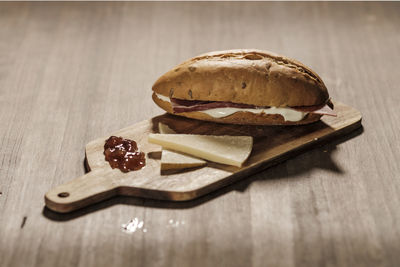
{"x": 220, "y": 109}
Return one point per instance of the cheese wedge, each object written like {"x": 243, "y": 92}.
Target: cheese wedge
{"x": 171, "y": 160}
{"x": 230, "y": 150}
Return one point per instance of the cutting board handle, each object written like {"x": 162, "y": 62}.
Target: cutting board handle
{"x": 82, "y": 191}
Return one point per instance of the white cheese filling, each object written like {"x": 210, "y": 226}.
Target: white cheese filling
{"x": 287, "y": 113}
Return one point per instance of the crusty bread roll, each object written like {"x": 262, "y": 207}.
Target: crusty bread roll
{"x": 253, "y": 77}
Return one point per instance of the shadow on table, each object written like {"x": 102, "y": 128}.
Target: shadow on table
{"x": 324, "y": 154}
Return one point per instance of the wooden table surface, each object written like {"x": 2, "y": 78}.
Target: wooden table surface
{"x": 72, "y": 72}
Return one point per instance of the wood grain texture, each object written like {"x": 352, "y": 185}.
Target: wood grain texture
{"x": 71, "y": 72}
{"x": 271, "y": 146}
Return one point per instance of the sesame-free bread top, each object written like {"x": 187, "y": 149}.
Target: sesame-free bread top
{"x": 252, "y": 77}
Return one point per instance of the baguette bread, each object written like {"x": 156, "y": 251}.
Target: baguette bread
{"x": 254, "y": 78}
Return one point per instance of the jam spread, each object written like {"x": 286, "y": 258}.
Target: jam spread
{"x": 123, "y": 154}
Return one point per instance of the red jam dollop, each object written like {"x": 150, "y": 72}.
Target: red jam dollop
{"x": 123, "y": 154}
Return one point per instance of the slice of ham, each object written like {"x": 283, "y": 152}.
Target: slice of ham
{"x": 326, "y": 109}
{"x": 180, "y": 105}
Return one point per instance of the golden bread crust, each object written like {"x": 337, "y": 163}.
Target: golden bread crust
{"x": 253, "y": 77}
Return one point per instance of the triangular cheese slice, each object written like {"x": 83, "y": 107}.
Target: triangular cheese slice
{"x": 171, "y": 160}
{"x": 230, "y": 150}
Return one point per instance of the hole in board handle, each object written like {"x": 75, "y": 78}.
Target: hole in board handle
{"x": 63, "y": 194}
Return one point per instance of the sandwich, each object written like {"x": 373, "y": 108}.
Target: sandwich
{"x": 247, "y": 87}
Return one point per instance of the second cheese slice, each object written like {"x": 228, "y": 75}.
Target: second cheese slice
{"x": 173, "y": 161}
{"x": 230, "y": 150}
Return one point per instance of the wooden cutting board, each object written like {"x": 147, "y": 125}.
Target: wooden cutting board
{"x": 272, "y": 144}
